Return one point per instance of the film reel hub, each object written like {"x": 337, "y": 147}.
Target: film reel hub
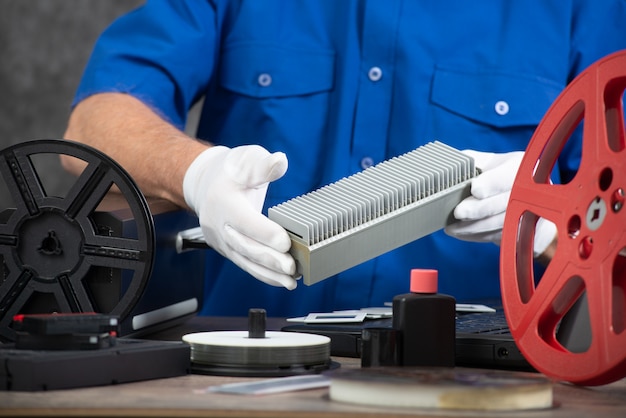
{"x": 55, "y": 240}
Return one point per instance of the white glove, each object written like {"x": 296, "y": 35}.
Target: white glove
{"x": 226, "y": 188}
{"x": 481, "y": 215}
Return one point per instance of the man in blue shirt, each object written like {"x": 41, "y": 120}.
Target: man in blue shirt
{"x": 332, "y": 87}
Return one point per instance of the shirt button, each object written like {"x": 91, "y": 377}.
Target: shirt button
{"x": 264, "y": 80}
{"x": 501, "y": 107}
{"x": 375, "y": 73}
{"x": 367, "y": 162}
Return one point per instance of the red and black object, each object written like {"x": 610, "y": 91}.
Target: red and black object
{"x": 66, "y": 323}
{"x": 65, "y": 331}
{"x": 69, "y": 342}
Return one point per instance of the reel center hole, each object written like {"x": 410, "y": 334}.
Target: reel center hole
{"x": 51, "y": 244}
{"x": 596, "y": 212}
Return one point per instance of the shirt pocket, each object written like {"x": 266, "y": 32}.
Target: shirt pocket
{"x": 262, "y": 70}
{"x": 494, "y": 98}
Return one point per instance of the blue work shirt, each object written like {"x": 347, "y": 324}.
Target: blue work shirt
{"x": 339, "y": 85}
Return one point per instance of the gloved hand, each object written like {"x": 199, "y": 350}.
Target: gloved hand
{"x": 481, "y": 215}
{"x": 226, "y": 188}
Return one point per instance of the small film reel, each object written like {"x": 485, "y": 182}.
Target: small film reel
{"x": 56, "y": 252}
{"x": 586, "y": 278}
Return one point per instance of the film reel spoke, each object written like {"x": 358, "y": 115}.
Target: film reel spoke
{"x": 88, "y": 191}
{"x": 544, "y": 200}
{"x": 517, "y": 253}
{"x": 600, "y": 297}
{"x": 15, "y": 285}
{"x": 115, "y": 257}
{"x": 119, "y": 253}
{"x": 534, "y": 310}
{"x": 589, "y": 263}
{"x": 119, "y": 249}
{"x": 22, "y": 180}
{"x": 8, "y": 240}
{"x": 74, "y": 293}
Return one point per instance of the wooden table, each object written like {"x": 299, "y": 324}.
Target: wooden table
{"x": 180, "y": 397}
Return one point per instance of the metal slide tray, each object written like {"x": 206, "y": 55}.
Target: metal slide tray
{"x": 376, "y": 210}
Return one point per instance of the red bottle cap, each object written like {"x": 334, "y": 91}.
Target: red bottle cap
{"x": 423, "y": 281}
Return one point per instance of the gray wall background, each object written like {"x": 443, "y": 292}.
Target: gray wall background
{"x": 44, "y": 45}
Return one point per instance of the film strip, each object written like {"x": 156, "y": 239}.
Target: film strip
{"x": 54, "y": 254}
{"x": 586, "y": 277}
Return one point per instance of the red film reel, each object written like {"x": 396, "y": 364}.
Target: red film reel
{"x": 590, "y": 258}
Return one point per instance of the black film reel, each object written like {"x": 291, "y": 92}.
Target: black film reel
{"x": 55, "y": 255}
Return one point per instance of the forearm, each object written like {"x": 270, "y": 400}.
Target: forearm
{"x": 155, "y": 153}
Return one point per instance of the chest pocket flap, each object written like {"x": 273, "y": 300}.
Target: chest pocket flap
{"x": 494, "y": 98}
{"x": 264, "y": 70}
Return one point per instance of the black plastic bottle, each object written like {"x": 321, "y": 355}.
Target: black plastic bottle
{"x": 425, "y": 320}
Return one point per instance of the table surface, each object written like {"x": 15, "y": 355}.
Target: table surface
{"x": 183, "y": 396}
